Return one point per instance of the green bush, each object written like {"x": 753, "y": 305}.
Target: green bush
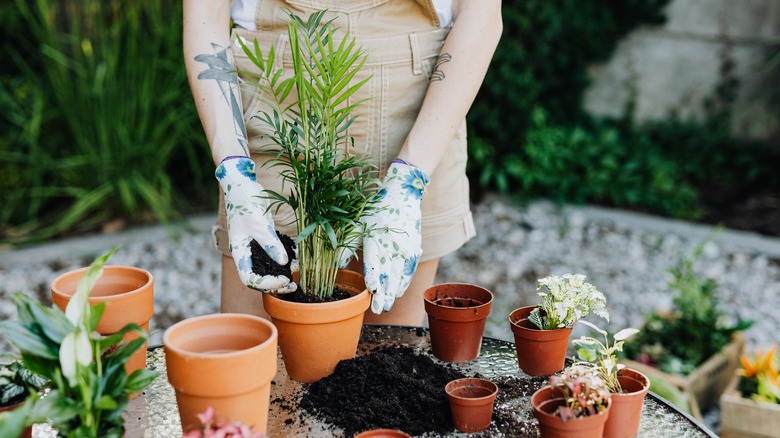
{"x": 529, "y": 135}
{"x": 96, "y": 117}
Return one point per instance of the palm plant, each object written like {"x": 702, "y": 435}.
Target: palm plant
{"x": 332, "y": 187}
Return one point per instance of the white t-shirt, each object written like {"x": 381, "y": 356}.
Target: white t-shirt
{"x": 243, "y": 12}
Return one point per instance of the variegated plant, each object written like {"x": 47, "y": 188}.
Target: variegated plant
{"x": 568, "y": 299}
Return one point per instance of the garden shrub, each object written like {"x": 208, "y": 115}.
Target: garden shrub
{"x": 96, "y": 119}
{"x": 529, "y": 135}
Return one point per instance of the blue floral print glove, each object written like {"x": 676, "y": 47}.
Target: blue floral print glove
{"x": 393, "y": 245}
{"x": 248, "y": 218}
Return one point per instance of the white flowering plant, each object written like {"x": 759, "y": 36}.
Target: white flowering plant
{"x": 568, "y": 299}
{"x": 89, "y": 385}
{"x": 585, "y": 393}
{"x": 603, "y": 357}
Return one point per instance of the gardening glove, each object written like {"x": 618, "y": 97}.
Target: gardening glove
{"x": 393, "y": 245}
{"x": 249, "y": 218}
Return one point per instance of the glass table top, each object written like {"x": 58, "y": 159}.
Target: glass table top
{"x": 154, "y": 413}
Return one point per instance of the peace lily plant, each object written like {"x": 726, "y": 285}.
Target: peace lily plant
{"x": 332, "y": 188}
{"x": 89, "y": 385}
{"x": 568, "y": 298}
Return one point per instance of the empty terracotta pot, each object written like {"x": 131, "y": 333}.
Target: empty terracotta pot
{"x": 626, "y": 411}
{"x": 129, "y": 296}
{"x": 471, "y": 403}
{"x": 314, "y": 337}
{"x": 539, "y": 352}
{"x": 383, "y": 433}
{"x": 225, "y": 361}
{"x": 456, "y": 317}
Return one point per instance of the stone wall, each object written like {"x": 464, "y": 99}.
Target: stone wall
{"x": 672, "y": 68}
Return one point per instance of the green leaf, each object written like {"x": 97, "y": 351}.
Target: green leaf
{"x": 13, "y": 422}
{"x": 106, "y": 402}
{"x": 27, "y": 341}
{"x": 52, "y": 321}
{"x": 139, "y": 380}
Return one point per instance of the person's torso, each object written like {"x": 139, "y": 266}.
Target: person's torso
{"x": 253, "y": 14}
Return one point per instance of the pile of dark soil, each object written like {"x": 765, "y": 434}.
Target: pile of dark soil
{"x": 391, "y": 388}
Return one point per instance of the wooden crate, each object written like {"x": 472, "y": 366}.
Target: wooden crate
{"x": 704, "y": 386}
{"x": 745, "y": 418}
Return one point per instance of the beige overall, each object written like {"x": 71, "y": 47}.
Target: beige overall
{"x": 402, "y": 40}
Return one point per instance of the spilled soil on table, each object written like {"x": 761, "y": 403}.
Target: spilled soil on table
{"x": 398, "y": 388}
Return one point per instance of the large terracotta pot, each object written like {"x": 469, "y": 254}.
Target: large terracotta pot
{"x": 456, "y": 316}
{"x": 539, "y": 352}
{"x": 129, "y": 296}
{"x": 547, "y": 399}
{"x": 626, "y": 411}
{"x": 471, "y": 402}
{"x": 225, "y": 361}
{"x": 314, "y": 337}
{"x": 27, "y": 432}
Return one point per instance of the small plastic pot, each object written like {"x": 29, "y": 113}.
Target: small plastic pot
{"x": 471, "y": 403}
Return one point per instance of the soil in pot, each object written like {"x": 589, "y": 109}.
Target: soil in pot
{"x": 264, "y": 265}
{"x": 388, "y": 388}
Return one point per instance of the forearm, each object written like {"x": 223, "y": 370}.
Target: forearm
{"x": 457, "y": 76}
{"x": 208, "y": 58}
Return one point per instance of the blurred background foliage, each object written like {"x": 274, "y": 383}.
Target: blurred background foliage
{"x": 97, "y": 124}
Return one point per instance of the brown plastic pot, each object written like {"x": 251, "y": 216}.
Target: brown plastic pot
{"x": 129, "y": 296}
{"x": 456, "y": 317}
{"x": 383, "y": 433}
{"x": 547, "y": 399}
{"x": 314, "y": 337}
{"x": 539, "y": 352}
{"x": 27, "y": 432}
{"x": 471, "y": 403}
{"x": 225, "y": 361}
{"x": 626, "y": 411}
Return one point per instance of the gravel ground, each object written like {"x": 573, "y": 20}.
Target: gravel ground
{"x": 626, "y": 255}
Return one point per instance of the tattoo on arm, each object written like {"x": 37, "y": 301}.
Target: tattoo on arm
{"x": 437, "y": 74}
{"x": 221, "y": 68}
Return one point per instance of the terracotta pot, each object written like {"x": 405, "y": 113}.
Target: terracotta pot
{"x": 129, "y": 296}
{"x": 383, "y": 433}
{"x": 225, "y": 361}
{"x": 471, "y": 403}
{"x": 626, "y": 411}
{"x": 539, "y": 352}
{"x": 27, "y": 432}
{"x": 547, "y": 399}
{"x": 314, "y": 337}
{"x": 456, "y": 316}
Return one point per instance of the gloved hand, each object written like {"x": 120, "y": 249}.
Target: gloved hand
{"x": 248, "y": 218}
{"x": 393, "y": 245}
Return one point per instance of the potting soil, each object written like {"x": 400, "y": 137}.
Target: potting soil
{"x": 391, "y": 388}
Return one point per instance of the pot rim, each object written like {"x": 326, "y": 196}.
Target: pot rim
{"x": 108, "y": 269}
{"x": 472, "y": 381}
{"x": 173, "y": 347}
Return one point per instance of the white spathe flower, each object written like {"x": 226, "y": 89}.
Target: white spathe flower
{"x": 75, "y": 349}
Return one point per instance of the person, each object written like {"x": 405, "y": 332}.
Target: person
{"x": 426, "y": 61}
